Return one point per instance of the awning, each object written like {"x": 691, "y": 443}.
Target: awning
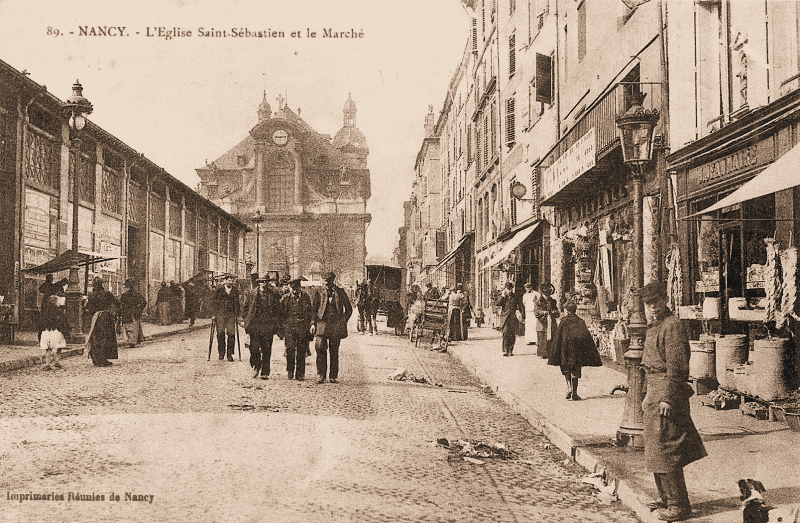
{"x": 452, "y": 253}
{"x": 782, "y": 174}
{"x": 520, "y": 236}
{"x": 69, "y": 259}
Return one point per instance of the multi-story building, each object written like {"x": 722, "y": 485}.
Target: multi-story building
{"x": 307, "y": 192}
{"x": 144, "y": 223}
{"x": 734, "y": 133}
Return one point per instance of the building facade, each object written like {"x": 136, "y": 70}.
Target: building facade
{"x": 307, "y": 192}
{"x": 152, "y": 226}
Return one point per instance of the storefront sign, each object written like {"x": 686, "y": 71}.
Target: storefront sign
{"x": 578, "y": 159}
{"x": 739, "y": 161}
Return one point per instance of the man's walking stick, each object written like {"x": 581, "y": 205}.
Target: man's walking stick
{"x": 211, "y": 337}
{"x": 238, "y": 344}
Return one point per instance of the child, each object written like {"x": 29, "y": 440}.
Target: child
{"x": 53, "y": 324}
{"x": 479, "y": 317}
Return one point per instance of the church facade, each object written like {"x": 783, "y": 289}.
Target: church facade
{"x": 303, "y": 194}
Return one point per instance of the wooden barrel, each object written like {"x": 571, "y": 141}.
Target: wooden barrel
{"x": 702, "y": 361}
{"x": 771, "y": 380}
{"x": 731, "y": 351}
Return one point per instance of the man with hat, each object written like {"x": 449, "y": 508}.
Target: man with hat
{"x": 431, "y": 292}
{"x": 132, "y": 304}
{"x": 671, "y": 440}
{"x": 546, "y": 312}
{"x": 225, "y": 307}
{"x": 297, "y": 312}
{"x": 263, "y": 318}
{"x": 332, "y": 309}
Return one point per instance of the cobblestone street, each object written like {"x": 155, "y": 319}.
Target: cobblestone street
{"x": 191, "y": 440}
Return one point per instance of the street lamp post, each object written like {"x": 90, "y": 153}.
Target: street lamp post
{"x": 258, "y": 218}
{"x": 636, "y": 136}
{"x": 75, "y": 109}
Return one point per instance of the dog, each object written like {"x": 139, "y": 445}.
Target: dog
{"x": 756, "y": 510}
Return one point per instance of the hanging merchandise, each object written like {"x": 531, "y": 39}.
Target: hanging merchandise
{"x": 789, "y": 299}
{"x": 772, "y": 282}
{"x": 674, "y": 276}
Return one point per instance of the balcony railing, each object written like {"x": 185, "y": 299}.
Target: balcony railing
{"x": 602, "y": 116}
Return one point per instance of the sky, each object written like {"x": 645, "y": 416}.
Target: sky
{"x": 183, "y": 100}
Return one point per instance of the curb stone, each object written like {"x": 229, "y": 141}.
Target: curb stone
{"x": 583, "y": 457}
{"x": 77, "y": 350}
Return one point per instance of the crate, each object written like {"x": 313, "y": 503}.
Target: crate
{"x": 793, "y": 419}
{"x": 703, "y": 386}
{"x": 756, "y": 410}
{"x": 719, "y": 403}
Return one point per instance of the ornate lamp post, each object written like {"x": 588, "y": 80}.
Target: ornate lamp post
{"x": 258, "y": 218}
{"x": 75, "y": 109}
{"x": 636, "y": 135}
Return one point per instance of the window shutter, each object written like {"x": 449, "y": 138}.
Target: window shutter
{"x": 512, "y": 55}
{"x": 485, "y": 140}
{"x": 544, "y": 78}
{"x": 475, "y": 35}
{"x": 512, "y": 6}
{"x": 510, "y": 123}
{"x": 494, "y": 141}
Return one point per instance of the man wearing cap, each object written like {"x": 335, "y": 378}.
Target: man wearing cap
{"x": 510, "y": 315}
{"x": 132, "y": 304}
{"x": 671, "y": 440}
{"x": 331, "y": 309}
{"x": 226, "y": 312}
{"x": 431, "y": 293}
{"x": 297, "y": 312}
{"x": 263, "y": 318}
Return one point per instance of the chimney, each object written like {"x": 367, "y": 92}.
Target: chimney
{"x": 429, "y": 122}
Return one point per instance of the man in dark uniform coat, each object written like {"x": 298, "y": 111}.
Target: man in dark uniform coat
{"x": 510, "y": 306}
{"x": 671, "y": 440}
{"x": 263, "y": 318}
{"x": 297, "y": 313}
{"x": 132, "y": 304}
{"x": 226, "y": 312}
{"x": 331, "y": 309}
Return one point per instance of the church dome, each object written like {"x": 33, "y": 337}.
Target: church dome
{"x": 350, "y": 136}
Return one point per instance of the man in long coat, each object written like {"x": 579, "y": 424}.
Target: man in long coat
{"x": 573, "y": 348}
{"x": 297, "y": 312}
{"x": 225, "y": 307}
{"x": 509, "y": 307}
{"x": 671, "y": 440}
{"x": 132, "y": 304}
{"x": 263, "y": 318}
{"x": 332, "y": 309}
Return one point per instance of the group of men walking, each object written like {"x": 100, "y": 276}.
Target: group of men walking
{"x": 291, "y": 314}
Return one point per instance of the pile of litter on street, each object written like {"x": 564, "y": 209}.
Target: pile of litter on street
{"x": 472, "y": 450}
{"x": 403, "y": 375}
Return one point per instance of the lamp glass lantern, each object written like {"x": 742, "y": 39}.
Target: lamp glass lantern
{"x": 636, "y": 135}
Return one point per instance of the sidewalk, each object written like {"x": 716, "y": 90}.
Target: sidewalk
{"x": 738, "y": 446}
{"x": 26, "y": 352}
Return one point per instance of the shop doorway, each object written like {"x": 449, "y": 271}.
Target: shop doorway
{"x": 136, "y": 255}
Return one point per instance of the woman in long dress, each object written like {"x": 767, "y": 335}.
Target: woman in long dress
{"x": 102, "y": 339}
{"x": 529, "y": 303}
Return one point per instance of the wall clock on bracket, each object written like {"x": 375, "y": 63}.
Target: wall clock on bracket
{"x": 280, "y": 137}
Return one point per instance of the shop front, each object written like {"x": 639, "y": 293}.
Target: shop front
{"x": 738, "y": 226}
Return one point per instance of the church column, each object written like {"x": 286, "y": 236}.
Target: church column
{"x": 260, "y": 173}
{"x": 297, "y": 179}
